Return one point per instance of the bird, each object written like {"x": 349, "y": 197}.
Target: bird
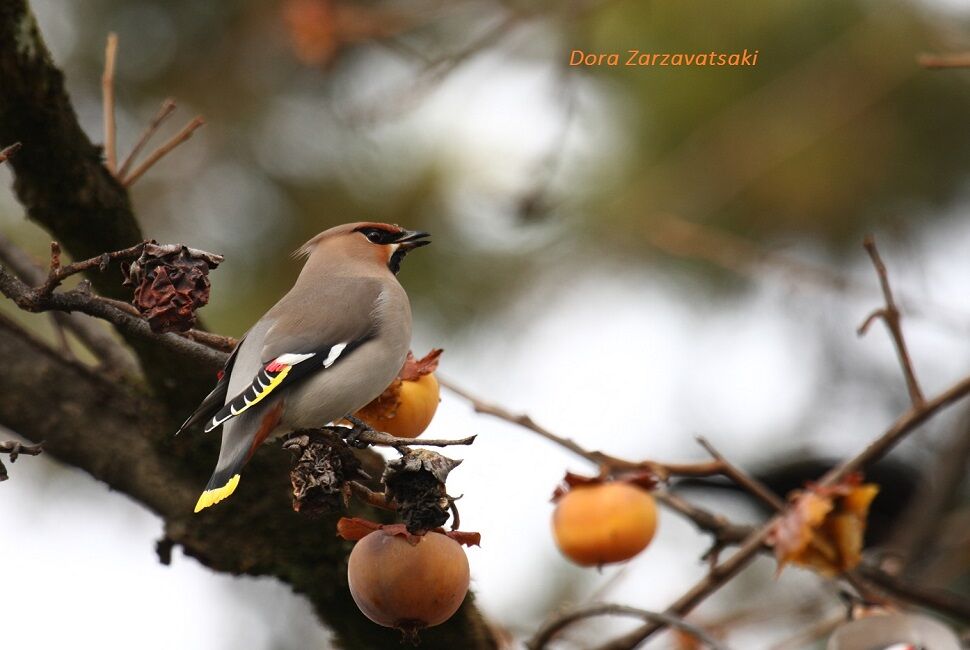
{"x": 328, "y": 347}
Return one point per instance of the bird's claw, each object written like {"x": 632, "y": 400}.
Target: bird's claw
{"x": 358, "y": 428}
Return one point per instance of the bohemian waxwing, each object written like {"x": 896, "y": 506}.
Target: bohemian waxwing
{"x": 327, "y": 348}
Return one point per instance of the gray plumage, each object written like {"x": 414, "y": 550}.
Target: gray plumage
{"x": 344, "y": 330}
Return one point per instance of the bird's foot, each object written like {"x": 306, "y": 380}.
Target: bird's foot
{"x": 354, "y": 433}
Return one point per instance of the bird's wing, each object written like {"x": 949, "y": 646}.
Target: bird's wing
{"x": 303, "y": 340}
{"x": 214, "y": 400}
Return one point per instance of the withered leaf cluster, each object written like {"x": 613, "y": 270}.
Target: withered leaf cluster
{"x": 171, "y": 282}
{"x": 416, "y": 483}
{"x": 323, "y": 466}
{"x": 825, "y": 526}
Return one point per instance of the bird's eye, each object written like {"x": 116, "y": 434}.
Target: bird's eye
{"x": 373, "y": 235}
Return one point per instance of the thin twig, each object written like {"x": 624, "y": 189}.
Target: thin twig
{"x": 611, "y": 464}
{"x": 727, "y": 533}
{"x": 917, "y": 535}
{"x": 112, "y": 353}
{"x": 915, "y": 594}
{"x": 920, "y": 411}
{"x": 455, "y": 516}
{"x": 891, "y": 316}
{"x": 214, "y": 341}
{"x": 722, "y": 573}
{"x": 742, "y": 478}
{"x": 944, "y": 61}
{"x": 14, "y": 449}
{"x": 754, "y": 542}
{"x": 387, "y": 440}
{"x": 369, "y": 496}
{"x": 905, "y": 424}
{"x": 435, "y": 71}
{"x": 7, "y": 152}
{"x": 123, "y": 315}
{"x": 160, "y": 153}
{"x": 167, "y": 108}
{"x": 82, "y": 300}
{"x": 58, "y": 273}
{"x": 553, "y": 627}
{"x": 682, "y": 238}
{"x": 108, "y": 102}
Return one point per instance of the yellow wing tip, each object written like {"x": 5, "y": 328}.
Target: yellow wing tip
{"x": 215, "y": 495}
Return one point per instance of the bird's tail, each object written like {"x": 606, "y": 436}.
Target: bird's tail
{"x": 237, "y": 446}
{"x": 221, "y": 485}
{"x": 240, "y": 438}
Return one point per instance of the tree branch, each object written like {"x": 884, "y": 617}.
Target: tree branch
{"x": 111, "y": 352}
{"x": 751, "y": 545}
{"x": 754, "y": 542}
{"x": 890, "y": 315}
{"x": 916, "y": 594}
{"x": 126, "y": 441}
{"x": 108, "y": 102}
{"x": 553, "y": 627}
{"x": 609, "y": 464}
{"x": 13, "y": 449}
{"x": 163, "y": 150}
{"x": 83, "y": 301}
{"x": 906, "y": 423}
{"x": 167, "y": 108}
{"x": 727, "y": 533}
{"x": 387, "y": 440}
{"x": 742, "y": 478}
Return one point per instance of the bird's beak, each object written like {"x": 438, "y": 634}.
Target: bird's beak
{"x": 411, "y": 239}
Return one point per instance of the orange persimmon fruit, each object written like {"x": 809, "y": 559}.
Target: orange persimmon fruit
{"x": 407, "y": 585}
{"x": 406, "y": 407}
{"x": 602, "y": 523}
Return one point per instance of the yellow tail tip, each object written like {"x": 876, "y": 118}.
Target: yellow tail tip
{"x": 215, "y": 495}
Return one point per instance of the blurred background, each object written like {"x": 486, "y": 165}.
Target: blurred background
{"x": 633, "y": 256}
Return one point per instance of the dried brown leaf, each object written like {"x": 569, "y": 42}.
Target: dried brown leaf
{"x": 824, "y": 527}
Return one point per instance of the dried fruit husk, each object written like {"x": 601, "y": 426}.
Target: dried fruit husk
{"x": 416, "y": 483}
{"x": 323, "y": 467}
{"x": 171, "y": 282}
